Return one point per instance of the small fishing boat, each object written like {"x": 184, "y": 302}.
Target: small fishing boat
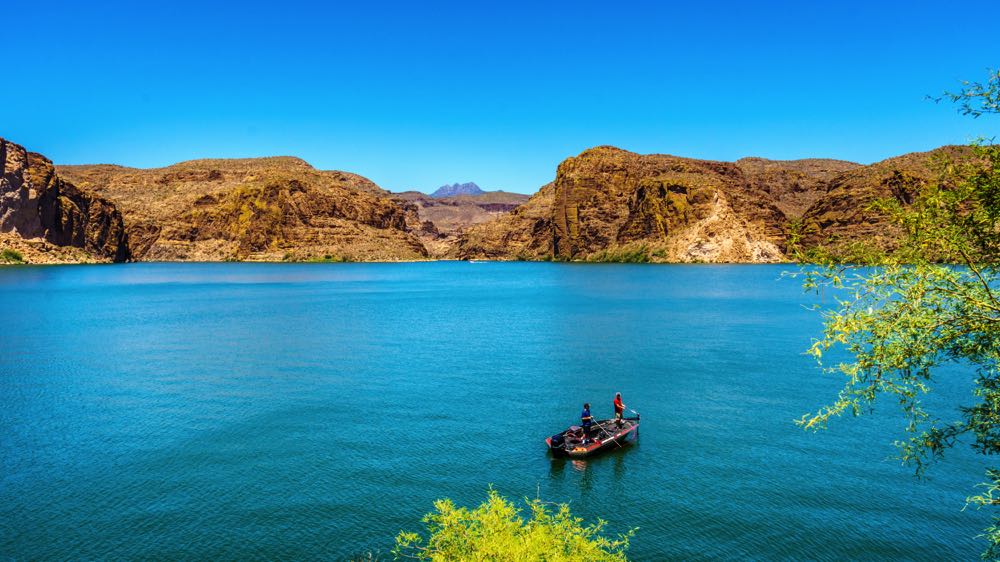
{"x": 604, "y": 435}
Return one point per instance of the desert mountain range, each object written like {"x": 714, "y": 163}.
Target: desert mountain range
{"x": 606, "y": 204}
{"x": 455, "y": 189}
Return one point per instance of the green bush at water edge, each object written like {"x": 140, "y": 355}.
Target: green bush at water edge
{"x": 11, "y": 256}
{"x": 631, "y": 253}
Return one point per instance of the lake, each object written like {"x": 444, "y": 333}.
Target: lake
{"x": 312, "y": 411}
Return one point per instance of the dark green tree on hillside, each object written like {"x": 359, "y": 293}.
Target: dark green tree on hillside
{"x": 933, "y": 301}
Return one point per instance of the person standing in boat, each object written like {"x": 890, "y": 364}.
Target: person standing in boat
{"x": 619, "y": 408}
{"x": 586, "y": 420}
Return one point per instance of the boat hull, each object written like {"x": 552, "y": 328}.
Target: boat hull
{"x": 605, "y": 436}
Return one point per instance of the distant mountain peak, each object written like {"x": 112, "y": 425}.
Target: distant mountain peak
{"x": 458, "y": 189}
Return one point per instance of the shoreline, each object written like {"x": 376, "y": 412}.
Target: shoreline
{"x": 335, "y": 262}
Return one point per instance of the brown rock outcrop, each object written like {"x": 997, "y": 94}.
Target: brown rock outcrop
{"x": 36, "y": 203}
{"x": 442, "y": 219}
{"x": 273, "y": 209}
{"x": 608, "y": 202}
{"x": 523, "y": 234}
{"x": 844, "y": 215}
{"x": 605, "y": 204}
{"x": 794, "y": 185}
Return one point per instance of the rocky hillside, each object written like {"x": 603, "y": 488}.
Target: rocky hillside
{"x": 272, "y": 209}
{"x": 794, "y": 185}
{"x": 843, "y": 215}
{"x": 523, "y": 234}
{"x": 46, "y": 219}
{"x": 444, "y": 218}
{"x": 608, "y": 204}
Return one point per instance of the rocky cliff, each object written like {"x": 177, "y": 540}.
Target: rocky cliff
{"x": 523, "y": 234}
{"x": 605, "y": 204}
{"x": 443, "y": 219}
{"x": 609, "y": 204}
{"x": 272, "y": 209}
{"x": 843, "y": 216}
{"x": 793, "y": 185}
{"x": 49, "y": 219}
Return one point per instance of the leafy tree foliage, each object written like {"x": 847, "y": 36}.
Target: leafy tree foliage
{"x": 977, "y": 98}
{"x": 935, "y": 300}
{"x": 496, "y": 531}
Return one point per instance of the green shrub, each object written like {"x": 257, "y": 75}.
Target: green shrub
{"x": 11, "y": 256}
{"x": 496, "y": 531}
{"x": 622, "y": 254}
{"x": 328, "y": 258}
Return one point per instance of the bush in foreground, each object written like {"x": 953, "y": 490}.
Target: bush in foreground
{"x": 496, "y": 531}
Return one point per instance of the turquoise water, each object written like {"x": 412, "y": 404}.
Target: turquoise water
{"x": 251, "y": 411}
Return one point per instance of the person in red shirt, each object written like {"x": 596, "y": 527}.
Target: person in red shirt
{"x": 619, "y": 408}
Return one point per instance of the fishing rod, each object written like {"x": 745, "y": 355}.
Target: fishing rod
{"x": 608, "y": 435}
{"x": 601, "y": 429}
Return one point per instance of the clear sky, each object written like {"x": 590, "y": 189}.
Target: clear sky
{"x": 418, "y": 94}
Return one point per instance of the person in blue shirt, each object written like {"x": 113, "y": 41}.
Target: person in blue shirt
{"x": 586, "y": 420}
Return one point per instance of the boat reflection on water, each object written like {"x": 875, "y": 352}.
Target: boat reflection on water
{"x": 581, "y": 469}
{"x": 619, "y": 465}
{"x": 585, "y": 474}
{"x": 557, "y": 467}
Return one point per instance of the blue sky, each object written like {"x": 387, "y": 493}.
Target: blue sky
{"x": 418, "y": 94}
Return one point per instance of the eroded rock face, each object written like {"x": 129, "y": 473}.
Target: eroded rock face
{"x": 522, "y": 234}
{"x": 441, "y": 220}
{"x": 608, "y": 204}
{"x": 272, "y": 209}
{"x": 35, "y": 202}
{"x": 607, "y": 196}
{"x": 844, "y": 214}
{"x": 608, "y": 199}
{"x": 794, "y": 185}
